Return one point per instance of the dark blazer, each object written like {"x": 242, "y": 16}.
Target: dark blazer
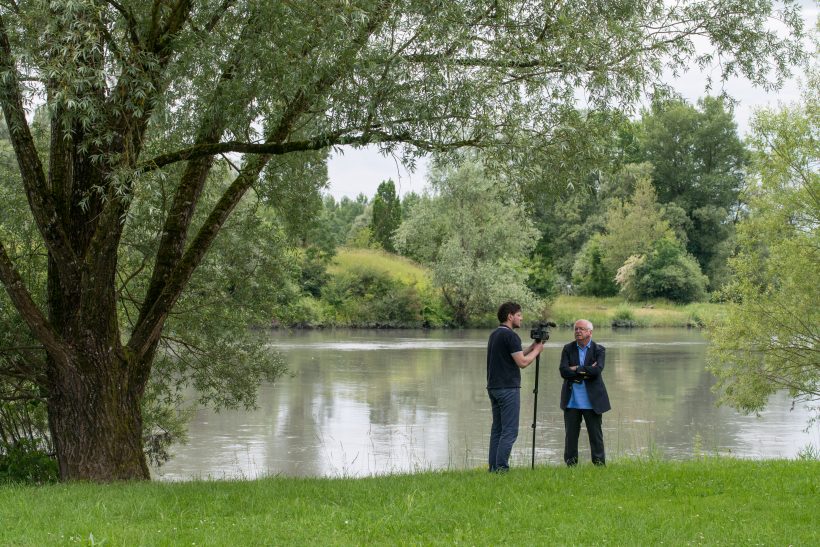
{"x": 592, "y": 375}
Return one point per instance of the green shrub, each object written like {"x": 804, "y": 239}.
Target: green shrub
{"x": 366, "y": 288}
{"x": 623, "y": 317}
{"x": 24, "y": 462}
{"x": 306, "y": 311}
{"x": 589, "y": 274}
{"x": 668, "y": 271}
{"x": 313, "y": 271}
{"x": 542, "y": 279}
{"x": 434, "y": 313}
{"x": 695, "y": 320}
{"x": 367, "y": 297}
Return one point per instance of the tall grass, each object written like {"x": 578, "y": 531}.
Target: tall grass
{"x": 400, "y": 268}
{"x": 631, "y": 502}
{"x": 656, "y": 313}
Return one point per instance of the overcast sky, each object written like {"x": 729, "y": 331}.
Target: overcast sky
{"x": 361, "y": 171}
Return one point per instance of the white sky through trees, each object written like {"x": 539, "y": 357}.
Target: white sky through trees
{"x": 361, "y": 171}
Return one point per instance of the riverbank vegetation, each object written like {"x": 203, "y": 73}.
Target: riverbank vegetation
{"x": 713, "y": 501}
{"x": 374, "y": 288}
{"x": 635, "y": 230}
{"x": 616, "y": 312}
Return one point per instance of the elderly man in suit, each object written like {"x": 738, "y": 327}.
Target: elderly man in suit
{"x": 583, "y": 395}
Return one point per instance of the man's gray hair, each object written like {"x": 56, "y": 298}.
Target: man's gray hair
{"x": 588, "y": 322}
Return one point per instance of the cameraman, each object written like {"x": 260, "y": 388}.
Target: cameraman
{"x": 583, "y": 394}
{"x": 505, "y": 358}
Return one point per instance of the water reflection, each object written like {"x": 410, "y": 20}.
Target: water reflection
{"x": 370, "y": 402}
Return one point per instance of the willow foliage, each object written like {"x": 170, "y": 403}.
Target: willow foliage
{"x": 770, "y": 339}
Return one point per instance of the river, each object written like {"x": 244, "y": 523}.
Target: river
{"x": 360, "y": 403}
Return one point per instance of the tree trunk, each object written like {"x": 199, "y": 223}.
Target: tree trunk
{"x": 94, "y": 395}
{"x": 96, "y": 420}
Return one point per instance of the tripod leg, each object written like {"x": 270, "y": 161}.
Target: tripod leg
{"x": 535, "y": 408}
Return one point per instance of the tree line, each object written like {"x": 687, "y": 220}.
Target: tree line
{"x": 687, "y": 211}
{"x": 657, "y": 219}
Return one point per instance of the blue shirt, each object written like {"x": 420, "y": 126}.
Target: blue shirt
{"x": 579, "y": 398}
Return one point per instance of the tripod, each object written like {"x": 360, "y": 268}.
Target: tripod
{"x": 535, "y": 407}
{"x": 539, "y": 333}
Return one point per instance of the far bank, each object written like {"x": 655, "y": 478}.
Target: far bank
{"x": 365, "y": 288}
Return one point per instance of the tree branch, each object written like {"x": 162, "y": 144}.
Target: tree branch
{"x": 185, "y": 201}
{"x": 129, "y": 19}
{"x": 31, "y": 314}
{"x": 132, "y": 128}
{"x": 161, "y": 34}
{"x": 149, "y": 327}
{"x": 10, "y": 398}
{"x": 277, "y": 149}
{"x": 663, "y": 36}
{"x": 31, "y": 169}
{"x": 16, "y": 349}
{"x": 218, "y": 13}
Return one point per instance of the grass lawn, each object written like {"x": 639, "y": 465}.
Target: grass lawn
{"x": 709, "y": 501}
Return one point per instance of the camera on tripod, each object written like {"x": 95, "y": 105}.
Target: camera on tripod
{"x": 540, "y": 332}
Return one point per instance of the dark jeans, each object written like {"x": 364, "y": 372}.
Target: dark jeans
{"x": 506, "y": 403}
{"x": 572, "y": 426}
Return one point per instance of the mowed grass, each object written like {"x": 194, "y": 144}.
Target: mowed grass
{"x": 400, "y": 268}
{"x": 631, "y": 502}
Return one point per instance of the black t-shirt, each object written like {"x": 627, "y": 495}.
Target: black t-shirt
{"x": 501, "y": 368}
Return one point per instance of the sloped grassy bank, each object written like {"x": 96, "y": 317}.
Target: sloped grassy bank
{"x": 630, "y": 502}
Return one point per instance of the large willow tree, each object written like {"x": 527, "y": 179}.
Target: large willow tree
{"x": 142, "y": 96}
